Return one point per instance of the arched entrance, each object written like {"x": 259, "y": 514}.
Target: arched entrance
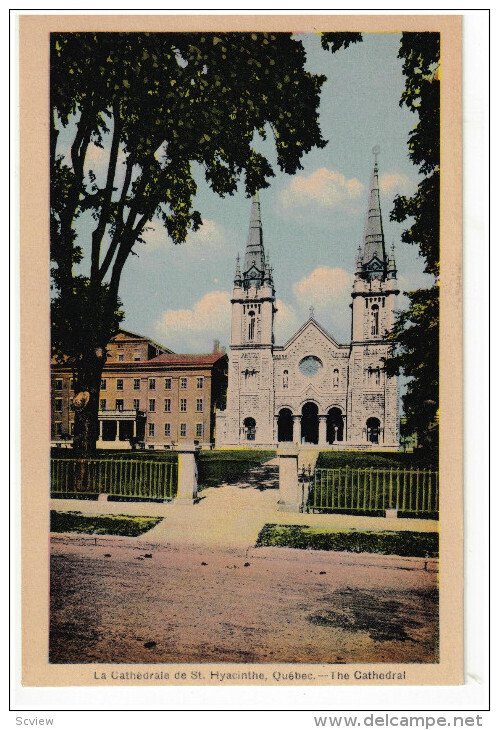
{"x": 373, "y": 427}
{"x": 310, "y": 424}
{"x": 285, "y": 425}
{"x": 249, "y": 428}
{"x": 334, "y": 426}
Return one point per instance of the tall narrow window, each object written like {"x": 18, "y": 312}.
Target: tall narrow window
{"x": 136, "y": 383}
{"x": 251, "y": 326}
{"x": 152, "y": 405}
{"x": 375, "y": 320}
{"x": 285, "y": 379}
{"x": 336, "y": 378}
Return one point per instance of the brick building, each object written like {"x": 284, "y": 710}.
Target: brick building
{"x": 149, "y": 396}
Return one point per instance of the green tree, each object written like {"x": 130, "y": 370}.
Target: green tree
{"x": 155, "y": 104}
{"x": 416, "y": 331}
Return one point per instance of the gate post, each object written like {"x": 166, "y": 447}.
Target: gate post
{"x": 187, "y": 474}
{"x": 290, "y": 497}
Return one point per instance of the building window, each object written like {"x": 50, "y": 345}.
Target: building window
{"x": 72, "y": 428}
{"x": 199, "y": 382}
{"x": 168, "y": 405}
{"x": 183, "y": 429}
{"x": 183, "y": 404}
{"x": 136, "y": 404}
{"x": 103, "y": 404}
{"x": 150, "y": 429}
{"x": 58, "y": 384}
{"x": 168, "y": 429}
{"x": 152, "y": 383}
{"x": 199, "y": 430}
{"x": 375, "y": 320}
{"x": 58, "y": 428}
{"x": 103, "y": 384}
{"x": 251, "y": 326}
{"x": 183, "y": 383}
{"x": 336, "y": 378}
{"x": 119, "y": 384}
{"x": 136, "y": 356}
{"x": 121, "y": 358}
{"x": 119, "y": 404}
{"x": 136, "y": 383}
{"x": 58, "y": 405}
{"x": 199, "y": 405}
{"x": 72, "y": 383}
{"x": 152, "y": 405}
{"x": 285, "y": 379}
{"x": 168, "y": 383}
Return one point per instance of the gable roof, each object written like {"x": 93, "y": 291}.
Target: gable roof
{"x": 311, "y": 321}
{"x": 207, "y": 359}
{"x": 127, "y": 335}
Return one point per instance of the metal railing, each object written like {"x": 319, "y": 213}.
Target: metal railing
{"x": 115, "y": 477}
{"x": 411, "y": 491}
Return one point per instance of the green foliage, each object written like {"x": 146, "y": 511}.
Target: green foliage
{"x": 122, "y": 525}
{"x": 416, "y": 352}
{"x": 302, "y": 537}
{"x": 219, "y": 467}
{"x": 375, "y": 459}
{"x": 336, "y": 41}
{"x": 416, "y": 331}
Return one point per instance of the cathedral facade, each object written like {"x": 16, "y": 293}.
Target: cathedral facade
{"x": 312, "y": 389}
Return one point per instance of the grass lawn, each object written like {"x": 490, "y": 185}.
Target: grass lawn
{"x": 407, "y": 544}
{"x": 228, "y": 466}
{"x": 122, "y": 525}
{"x": 380, "y": 459}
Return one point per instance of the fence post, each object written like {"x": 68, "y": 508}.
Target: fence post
{"x": 187, "y": 474}
{"x": 289, "y": 488}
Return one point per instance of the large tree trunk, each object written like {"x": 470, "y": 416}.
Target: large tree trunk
{"x": 88, "y": 376}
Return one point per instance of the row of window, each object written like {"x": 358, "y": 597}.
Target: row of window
{"x": 119, "y": 405}
{"x": 151, "y": 430}
{"x": 152, "y": 383}
{"x": 58, "y": 383}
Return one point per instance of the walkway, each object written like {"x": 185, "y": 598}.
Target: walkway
{"x": 231, "y": 516}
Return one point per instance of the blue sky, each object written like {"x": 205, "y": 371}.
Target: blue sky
{"x": 312, "y": 222}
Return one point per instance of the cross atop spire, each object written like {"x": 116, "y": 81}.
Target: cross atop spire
{"x": 374, "y": 259}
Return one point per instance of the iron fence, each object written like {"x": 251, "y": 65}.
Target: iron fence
{"x": 115, "y": 477}
{"x": 411, "y": 491}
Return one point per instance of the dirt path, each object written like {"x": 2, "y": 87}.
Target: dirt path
{"x": 132, "y": 601}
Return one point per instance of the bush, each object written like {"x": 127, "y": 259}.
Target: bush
{"x": 380, "y": 459}
{"x": 122, "y": 525}
{"x": 407, "y": 544}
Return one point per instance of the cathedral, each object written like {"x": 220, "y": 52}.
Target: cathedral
{"x": 312, "y": 389}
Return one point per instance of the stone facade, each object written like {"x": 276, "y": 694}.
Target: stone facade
{"x": 313, "y": 389}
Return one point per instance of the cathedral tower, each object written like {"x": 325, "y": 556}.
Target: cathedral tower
{"x": 373, "y": 398}
{"x": 250, "y": 396}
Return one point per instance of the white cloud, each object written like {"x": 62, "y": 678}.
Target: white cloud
{"x": 196, "y": 328}
{"x": 286, "y": 321}
{"x": 324, "y": 286}
{"x": 209, "y": 239}
{"x": 393, "y": 183}
{"x": 323, "y": 188}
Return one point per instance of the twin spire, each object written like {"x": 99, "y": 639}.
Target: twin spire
{"x": 372, "y": 260}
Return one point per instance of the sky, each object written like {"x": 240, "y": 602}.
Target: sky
{"x": 312, "y": 222}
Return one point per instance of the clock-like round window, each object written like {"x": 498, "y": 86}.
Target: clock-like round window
{"x": 310, "y": 366}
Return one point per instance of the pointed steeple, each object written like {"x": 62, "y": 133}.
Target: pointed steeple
{"x": 374, "y": 261}
{"x": 254, "y": 257}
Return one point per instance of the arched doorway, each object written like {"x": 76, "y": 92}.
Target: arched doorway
{"x": 249, "y": 428}
{"x": 285, "y": 425}
{"x": 334, "y": 426}
{"x": 373, "y": 427}
{"x": 310, "y": 424}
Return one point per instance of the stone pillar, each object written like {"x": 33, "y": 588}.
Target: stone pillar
{"x": 290, "y": 496}
{"x": 296, "y": 429}
{"x": 187, "y": 489}
{"x": 322, "y": 430}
